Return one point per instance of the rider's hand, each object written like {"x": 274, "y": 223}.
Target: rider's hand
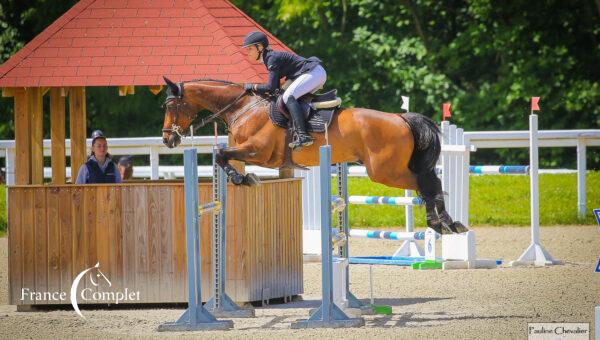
{"x": 249, "y": 87}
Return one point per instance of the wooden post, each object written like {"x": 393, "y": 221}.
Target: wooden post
{"x": 36, "y": 112}
{"x": 155, "y": 89}
{"x": 238, "y": 165}
{"x": 22, "y": 138}
{"x": 57, "y": 135}
{"x": 78, "y": 129}
{"x": 126, "y": 89}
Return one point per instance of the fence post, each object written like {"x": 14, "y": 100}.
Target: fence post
{"x": 154, "y": 160}
{"x": 445, "y": 161}
{"x": 581, "y": 174}
{"x": 464, "y": 218}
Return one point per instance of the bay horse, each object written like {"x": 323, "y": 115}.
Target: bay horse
{"x": 398, "y": 150}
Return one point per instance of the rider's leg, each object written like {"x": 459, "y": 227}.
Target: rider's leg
{"x": 306, "y": 83}
{"x": 303, "y": 138}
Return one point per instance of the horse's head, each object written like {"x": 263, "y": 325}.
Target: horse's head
{"x": 183, "y": 103}
{"x": 180, "y": 111}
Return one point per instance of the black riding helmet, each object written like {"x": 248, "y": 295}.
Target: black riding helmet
{"x": 254, "y": 38}
{"x": 97, "y": 134}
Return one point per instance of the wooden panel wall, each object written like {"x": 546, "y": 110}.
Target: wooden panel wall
{"x": 137, "y": 234}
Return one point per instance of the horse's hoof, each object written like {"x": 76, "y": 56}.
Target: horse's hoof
{"x": 237, "y": 179}
{"x": 458, "y": 227}
{"x": 446, "y": 230}
{"x": 251, "y": 180}
{"x": 454, "y": 228}
{"x": 436, "y": 226}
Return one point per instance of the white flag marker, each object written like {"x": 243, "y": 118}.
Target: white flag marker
{"x": 405, "y": 101}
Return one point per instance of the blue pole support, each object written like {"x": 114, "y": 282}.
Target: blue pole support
{"x": 344, "y": 252}
{"x": 221, "y": 304}
{"x": 328, "y": 315}
{"x": 196, "y": 317}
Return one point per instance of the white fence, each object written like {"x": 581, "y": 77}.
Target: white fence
{"x": 581, "y": 139}
{"x": 150, "y": 146}
{"x": 457, "y": 155}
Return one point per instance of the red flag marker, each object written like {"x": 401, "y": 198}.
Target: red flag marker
{"x": 534, "y": 103}
{"x": 446, "y": 111}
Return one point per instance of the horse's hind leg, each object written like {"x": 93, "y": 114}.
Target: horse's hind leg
{"x": 438, "y": 218}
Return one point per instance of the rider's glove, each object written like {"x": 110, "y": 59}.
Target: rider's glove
{"x": 249, "y": 87}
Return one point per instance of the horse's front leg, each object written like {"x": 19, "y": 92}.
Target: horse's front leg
{"x": 240, "y": 153}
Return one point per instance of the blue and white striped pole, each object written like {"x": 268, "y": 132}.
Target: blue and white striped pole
{"x": 389, "y": 235}
{"x": 386, "y": 200}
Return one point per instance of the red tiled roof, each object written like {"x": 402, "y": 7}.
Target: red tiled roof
{"x": 136, "y": 42}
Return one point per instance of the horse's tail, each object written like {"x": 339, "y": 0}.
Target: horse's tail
{"x": 427, "y": 146}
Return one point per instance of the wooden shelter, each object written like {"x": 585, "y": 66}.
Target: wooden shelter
{"x": 128, "y": 45}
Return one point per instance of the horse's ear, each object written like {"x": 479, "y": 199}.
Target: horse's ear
{"x": 172, "y": 86}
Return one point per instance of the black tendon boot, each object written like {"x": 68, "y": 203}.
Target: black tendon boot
{"x": 438, "y": 219}
{"x": 447, "y": 222}
{"x": 302, "y": 138}
{"x": 433, "y": 221}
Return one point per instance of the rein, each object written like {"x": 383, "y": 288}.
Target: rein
{"x": 213, "y": 116}
{"x": 176, "y": 129}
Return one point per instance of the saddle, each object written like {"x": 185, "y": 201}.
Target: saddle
{"x": 318, "y": 111}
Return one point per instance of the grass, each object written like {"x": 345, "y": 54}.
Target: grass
{"x": 494, "y": 200}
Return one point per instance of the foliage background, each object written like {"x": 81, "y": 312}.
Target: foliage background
{"x": 486, "y": 57}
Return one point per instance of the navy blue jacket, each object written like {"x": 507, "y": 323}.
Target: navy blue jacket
{"x": 96, "y": 175}
{"x": 284, "y": 64}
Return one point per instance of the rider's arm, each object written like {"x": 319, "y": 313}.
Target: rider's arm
{"x": 271, "y": 85}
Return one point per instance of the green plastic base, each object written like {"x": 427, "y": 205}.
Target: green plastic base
{"x": 383, "y": 310}
{"x": 428, "y": 264}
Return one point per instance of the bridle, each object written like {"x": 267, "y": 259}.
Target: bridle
{"x": 172, "y": 97}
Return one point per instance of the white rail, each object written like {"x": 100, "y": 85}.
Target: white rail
{"x": 580, "y": 139}
{"x": 151, "y": 146}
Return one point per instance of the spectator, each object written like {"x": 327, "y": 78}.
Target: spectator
{"x": 125, "y": 166}
{"x": 99, "y": 167}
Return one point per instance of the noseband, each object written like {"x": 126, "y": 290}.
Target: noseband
{"x": 177, "y": 129}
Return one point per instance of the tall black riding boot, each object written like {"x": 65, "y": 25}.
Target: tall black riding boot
{"x": 303, "y": 138}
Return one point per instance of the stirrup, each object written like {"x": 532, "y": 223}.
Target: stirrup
{"x": 301, "y": 140}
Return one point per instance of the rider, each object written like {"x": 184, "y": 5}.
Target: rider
{"x": 307, "y": 74}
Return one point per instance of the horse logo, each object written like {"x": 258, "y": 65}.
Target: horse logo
{"x": 95, "y": 282}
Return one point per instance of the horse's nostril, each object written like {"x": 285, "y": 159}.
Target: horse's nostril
{"x": 171, "y": 142}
